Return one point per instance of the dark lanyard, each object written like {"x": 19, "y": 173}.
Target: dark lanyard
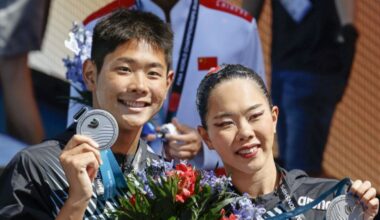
{"x": 338, "y": 188}
{"x": 287, "y": 200}
{"x": 183, "y": 61}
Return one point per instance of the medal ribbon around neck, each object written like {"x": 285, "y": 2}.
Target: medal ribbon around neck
{"x": 337, "y": 189}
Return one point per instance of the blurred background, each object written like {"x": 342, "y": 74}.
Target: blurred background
{"x": 353, "y": 147}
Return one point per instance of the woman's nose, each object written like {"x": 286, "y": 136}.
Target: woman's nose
{"x": 246, "y": 131}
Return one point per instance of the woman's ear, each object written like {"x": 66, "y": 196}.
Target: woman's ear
{"x": 89, "y": 74}
{"x": 203, "y": 132}
{"x": 275, "y": 112}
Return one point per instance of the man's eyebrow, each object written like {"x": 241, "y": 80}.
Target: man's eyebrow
{"x": 125, "y": 60}
{"x": 132, "y": 61}
{"x": 156, "y": 64}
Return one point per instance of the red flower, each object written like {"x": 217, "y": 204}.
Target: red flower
{"x": 132, "y": 200}
{"x": 231, "y": 217}
{"x": 186, "y": 184}
{"x": 220, "y": 171}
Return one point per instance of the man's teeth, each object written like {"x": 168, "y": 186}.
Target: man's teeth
{"x": 247, "y": 151}
{"x": 134, "y": 104}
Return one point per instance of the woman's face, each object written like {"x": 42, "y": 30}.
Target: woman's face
{"x": 240, "y": 125}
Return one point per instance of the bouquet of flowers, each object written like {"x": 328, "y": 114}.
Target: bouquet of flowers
{"x": 161, "y": 192}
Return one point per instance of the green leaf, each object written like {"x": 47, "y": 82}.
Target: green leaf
{"x": 222, "y": 204}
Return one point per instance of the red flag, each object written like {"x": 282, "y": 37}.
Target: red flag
{"x": 205, "y": 63}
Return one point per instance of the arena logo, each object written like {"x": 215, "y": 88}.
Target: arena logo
{"x": 304, "y": 200}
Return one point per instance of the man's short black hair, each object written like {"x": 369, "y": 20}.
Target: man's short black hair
{"x": 124, "y": 25}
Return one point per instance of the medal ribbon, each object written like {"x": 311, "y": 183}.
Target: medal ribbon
{"x": 111, "y": 174}
{"x": 338, "y": 188}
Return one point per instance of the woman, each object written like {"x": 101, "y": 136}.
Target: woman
{"x": 239, "y": 122}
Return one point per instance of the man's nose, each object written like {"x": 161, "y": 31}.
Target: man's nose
{"x": 138, "y": 83}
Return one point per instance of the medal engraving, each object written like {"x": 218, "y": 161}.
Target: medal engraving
{"x": 344, "y": 207}
{"x": 99, "y": 125}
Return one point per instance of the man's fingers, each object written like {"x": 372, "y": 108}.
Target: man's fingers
{"x": 80, "y": 149}
{"x": 82, "y": 160}
{"x": 79, "y": 139}
{"x": 93, "y": 171}
{"x": 78, "y": 165}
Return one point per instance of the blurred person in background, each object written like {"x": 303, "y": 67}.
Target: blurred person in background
{"x": 22, "y": 27}
{"x": 313, "y": 46}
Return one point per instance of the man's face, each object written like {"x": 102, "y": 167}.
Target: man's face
{"x": 132, "y": 83}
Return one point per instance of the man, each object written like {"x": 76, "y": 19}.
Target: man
{"x": 129, "y": 76}
{"x": 207, "y": 34}
{"x": 313, "y": 46}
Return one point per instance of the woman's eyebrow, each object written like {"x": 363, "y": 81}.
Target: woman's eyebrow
{"x": 228, "y": 114}
{"x": 222, "y": 115}
{"x": 253, "y": 107}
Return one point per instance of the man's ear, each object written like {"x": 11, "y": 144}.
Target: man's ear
{"x": 203, "y": 132}
{"x": 170, "y": 78}
{"x": 89, "y": 74}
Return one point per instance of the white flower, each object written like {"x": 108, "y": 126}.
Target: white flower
{"x": 72, "y": 44}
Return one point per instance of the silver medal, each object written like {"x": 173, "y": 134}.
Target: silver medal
{"x": 102, "y": 127}
{"x": 99, "y": 125}
{"x": 344, "y": 207}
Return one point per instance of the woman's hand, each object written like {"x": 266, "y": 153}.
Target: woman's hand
{"x": 367, "y": 197}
